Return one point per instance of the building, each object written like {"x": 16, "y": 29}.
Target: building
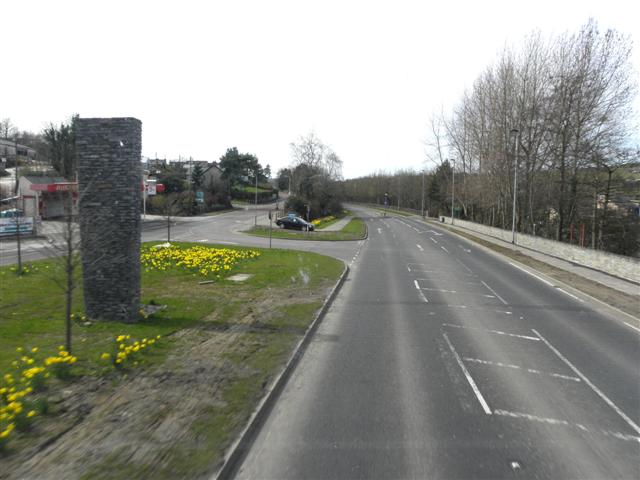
{"x": 46, "y": 197}
{"x": 8, "y": 152}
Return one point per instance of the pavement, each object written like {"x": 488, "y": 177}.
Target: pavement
{"x": 440, "y": 359}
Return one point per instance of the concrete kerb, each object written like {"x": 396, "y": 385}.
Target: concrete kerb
{"x": 538, "y": 272}
{"x": 240, "y": 447}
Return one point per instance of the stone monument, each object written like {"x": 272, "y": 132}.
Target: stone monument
{"x": 110, "y": 188}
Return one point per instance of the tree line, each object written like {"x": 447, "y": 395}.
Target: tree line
{"x": 553, "y": 122}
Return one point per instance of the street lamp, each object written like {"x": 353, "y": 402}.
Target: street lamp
{"x": 422, "y": 205}
{"x": 256, "y": 202}
{"x": 453, "y": 185}
{"x": 514, "y": 132}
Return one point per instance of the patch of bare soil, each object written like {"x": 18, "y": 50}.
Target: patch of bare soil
{"x": 145, "y": 425}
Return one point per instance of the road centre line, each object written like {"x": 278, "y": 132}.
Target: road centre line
{"x": 517, "y": 367}
{"x": 556, "y": 421}
{"x": 497, "y": 332}
{"x": 468, "y": 269}
{"x": 444, "y": 249}
{"x": 433, "y": 240}
{"x": 494, "y": 292}
{"x": 420, "y": 247}
{"x": 474, "y": 387}
{"x": 532, "y": 274}
{"x": 606, "y": 399}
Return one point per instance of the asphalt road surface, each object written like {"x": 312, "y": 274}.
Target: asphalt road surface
{"x": 441, "y": 360}
{"x": 222, "y": 229}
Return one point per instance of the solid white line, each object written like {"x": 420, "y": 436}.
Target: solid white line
{"x": 494, "y": 292}
{"x": 203, "y": 240}
{"x": 433, "y": 240}
{"x": 420, "y": 247}
{"x": 497, "y": 332}
{"x": 571, "y": 295}
{"x": 444, "y": 249}
{"x": 474, "y": 387}
{"x": 606, "y": 399}
{"x": 517, "y": 367}
{"x": 629, "y": 325}
{"x": 532, "y": 274}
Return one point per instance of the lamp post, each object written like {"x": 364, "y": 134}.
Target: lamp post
{"x": 256, "y": 201}
{"x": 422, "y": 204}
{"x": 514, "y": 132}
{"x": 453, "y": 186}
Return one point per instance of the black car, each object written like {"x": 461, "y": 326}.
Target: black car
{"x": 295, "y": 223}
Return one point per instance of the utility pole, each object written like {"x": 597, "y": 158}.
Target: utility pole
{"x": 17, "y": 211}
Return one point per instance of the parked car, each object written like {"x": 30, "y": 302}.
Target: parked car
{"x": 295, "y": 223}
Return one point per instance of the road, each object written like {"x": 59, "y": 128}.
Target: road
{"x": 223, "y": 229}
{"x": 439, "y": 359}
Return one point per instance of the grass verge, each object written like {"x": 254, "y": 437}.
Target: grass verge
{"x": 222, "y": 344}
{"x": 356, "y": 229}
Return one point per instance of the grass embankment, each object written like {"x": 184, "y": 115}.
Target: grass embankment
{"x": 221, "y": 345}
{"x": 356, "y": 229}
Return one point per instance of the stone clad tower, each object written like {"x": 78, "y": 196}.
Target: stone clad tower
{"x": 109, "y": 184}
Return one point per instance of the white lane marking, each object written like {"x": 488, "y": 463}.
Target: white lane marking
{"x": 203, "y": 240}
{"x": 424, "y": 299}
{"x": 416, "y": 229}
{"x": 570, "y": 294}
{"x": 468, "y": 269}
{"x": 465, "y": 249}
{"x": 494, "y": 292}
{"x": 629, "y": 325}
{"x": 420, "y": 247}
{"x": 556, "y": 421}
{"x": 437, "y": 234}
{"x": 532, "y": 274}
{"x": 442, "y": 290}
{"x": 444, "y": 249}
{"x": 380, "y": 230}
{"x": 415, "y": 282}
{"x": 433, "y": 240}
{"x": 474, "y": 387}
{"x": 226, "y": 243}
{"x": 497, "y": 332}
{"x": 606, "y": 399}
{"x": 517, "y": 367}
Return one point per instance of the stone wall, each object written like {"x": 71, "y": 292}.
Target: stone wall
{"x": 109, "y": 182}
{"x": 617, "y": 265}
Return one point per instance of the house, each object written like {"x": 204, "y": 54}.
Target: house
{"x": 46, "y": 197}
{"x": 211, "y": 174}
{"x": 8, "y": 152}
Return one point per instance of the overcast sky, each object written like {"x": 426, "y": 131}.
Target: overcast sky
{"x": 204, "y": 76}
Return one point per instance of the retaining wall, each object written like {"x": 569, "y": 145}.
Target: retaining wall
{"x": 617, "y": 265}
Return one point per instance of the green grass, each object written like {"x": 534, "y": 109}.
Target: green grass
{"x": 282, "y": 295}
{"x": 356, "y": 229}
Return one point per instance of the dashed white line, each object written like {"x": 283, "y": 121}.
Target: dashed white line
{"x": 467, "y": 268}
{"x": 379, "y": 230}
{"x": 415, "y": 282}
{"x": 465, "y": 249}
{"x": 556, "y": 421}
{"x": 420, "y": 247}
{"x": 444, "y": 249}
{"x": 606, "y": 399}
{"x": 532, "y": 274}
{"x": 497, "y": 332}
{"x": 433, "y": 240}
{"x": 494, "y": 292}
{"x": 474, "y": 387}
{"x": 517, "y": 367}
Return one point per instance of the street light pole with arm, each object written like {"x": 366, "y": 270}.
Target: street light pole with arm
{"x": 514, "y": 132}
